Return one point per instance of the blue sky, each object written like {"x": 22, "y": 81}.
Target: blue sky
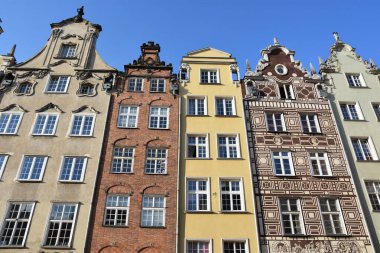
{"x": 240, "y": 27}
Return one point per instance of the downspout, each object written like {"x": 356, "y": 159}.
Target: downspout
{"x": 178, "y": 170}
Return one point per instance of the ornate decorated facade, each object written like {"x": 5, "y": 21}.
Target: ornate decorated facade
{"x": 305, "y": 197}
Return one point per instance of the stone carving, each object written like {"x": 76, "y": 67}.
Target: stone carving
{"x": 67, "y": 36}
{"x": 83, "y": 74}
{"x": 79, "y": 17}
{"x": 50, "y": 106}
{"x": 301, "y": 247}
{"x": 38, "y": 74}
{"x": 347, "y": 247}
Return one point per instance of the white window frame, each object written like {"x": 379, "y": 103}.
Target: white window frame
{"x": 59, "y": 78}
{"x": 134, "y": 89}
{"x": 48, "y": 115}
{"x": 156, "y": 88}
{"x": 159, "y": 117}
{"x": 245, "y": 241}
{"x": 117, "y": 210}
{"x": 330, "y": 213}
{"x": 231, "y": 193}
{"x": 273, "y": 116}
{"x": 376, "y": 109}
{"x": 228, "y": 146}
{"x": 70, "y": 53}
{"x": 288, "y": 91}
{"x": 373, "y": 188}
{"x": 158, "y": 161}
{"x": 197, "y": 145}
{"x": 197, "y": 192}
{"x": 310, "y": 117}
{"x": 282, "y": 157}
{"x": 352, "y": 82}
{"x": 83, "y": 115}
{"x": 32, "y": 168}
{"x": 2, "y": 165}
{"x": 11, "y": 113}
{"x": 208, "y": 81}
{"x": 128, "y": 115}
{"x": 371, "y": 148}
{"x": 291, "y": 216}
{"x": 153, "y": 209}
{"x": 122, "y": 158}
{"x": 60, "y": 222}
{"x": 16, "y": 221}
{"x": 209, "y": 241}
{"x": 232, "y": 99}
{"x": 72, "y": 168}
{"x": 348, "y": 111}
{"x": 197, "y": 99}
{"x": 315, "y": 156}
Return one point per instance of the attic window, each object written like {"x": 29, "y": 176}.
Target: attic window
{"x": 235, "y": 76}
{"x": 184, "y": 74}
{"x": 24, "y": 88}
{"x": 281, "y": 69}
{"x": 87, "y": 89}
{"x": 67, "y": 51}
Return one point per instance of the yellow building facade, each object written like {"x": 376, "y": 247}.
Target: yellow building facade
{"x": 216, "y": 212}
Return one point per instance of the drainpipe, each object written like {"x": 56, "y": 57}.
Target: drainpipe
{"x": 178, "y": 171}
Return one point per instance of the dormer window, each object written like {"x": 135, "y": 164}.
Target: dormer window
{"x": 67, "y": 51}
{"x": 87, "y": 89}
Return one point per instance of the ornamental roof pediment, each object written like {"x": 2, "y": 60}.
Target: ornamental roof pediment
{"x": 209, "y": 52}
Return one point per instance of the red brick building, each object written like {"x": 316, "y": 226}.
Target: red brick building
{"x": 135, "y": 204}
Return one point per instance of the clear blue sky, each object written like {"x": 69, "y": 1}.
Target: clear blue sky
{"x": 240, "y": 27}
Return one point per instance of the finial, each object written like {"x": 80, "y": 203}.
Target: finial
{"x": 372, "y": 62}
{"x": 79, "y": 16}
{"x": 247, "y": 65}
{"x": 312, "y": 69}
{"x": 12, "y": 52}
{"x": 320, "y": 60}
{"x": 336, "y": 36}
{"x": 275, "y": 40}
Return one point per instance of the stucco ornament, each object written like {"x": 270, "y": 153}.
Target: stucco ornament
{"x": 38, "y": 74}
{"x": 347, "y": 247}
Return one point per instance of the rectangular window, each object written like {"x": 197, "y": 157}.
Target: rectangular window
{"x": 363, "y": 149}
{"x": 286, "y": 91}
{"x": 225, "y": 107}
{"x": 16, "y": 224}
{"x": 319, "y": 164}
{"x": 198, "y": 247}
{"x": 209, "y": 76}
{"x": 9, "y": 122}
{"x": 351, "y": 111}
{"x": 331, "y": 216}
{"x": 373, "y": 189}
{"x": 116, "y": 213}
{"x": 355, "y": 80}
{"x": 122, "y": 160}
{"x": 32, "y": 168}
{"x": 158, "y": 117}
{"x": 153, "y": 211}
{"x": 196, "y": 106}
{"x": 135, "y": 84}
{"x": 127, "y": 117}
{"x": 197, "y": 146}
{"x": 275, "y": 122}
{"x": 309, "y": 123}
{"x": 157, "y": 85}
{"x": 58, "y": 84}
{"x": 231, "y": 192}
{"x": 291, "y": 217}
{"x": 45, "y": 124}
{"x": 67, "y": 51}
{"x": 376, "y": 109}
{"x": 156, "y": 160}
{"x": 82, "y": 125}
{"x": 61, "y": 225}
{"x": 228, "y": 147}
{"x": 197, "y": 197}
{"x": 73, "y": 169}
{"x": 282, "y": 163}
{"x": 3, "y": 161}
{"x": 235, "y": 247}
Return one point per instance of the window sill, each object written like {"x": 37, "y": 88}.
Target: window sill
{"x": 28, "y": 181}
{"x": 226, "y": 158}
{"x": 56, "y": 247}
{"x": 54, "y": 92}
{"x": 156, "y": 174}
{"x": 70, "y": 182}
{"x": 12, "y": 247}
{"x": 284, "y": 175}
{"x": 65, "y": 58}
{"x": 82, "y": 136}
{"x": 277, "y": 132}
{"x": 136, "y": 91}
{"x": 337, "y": 235}
{"x": 368, "y": 161}
{"x": 196, "y": 158}
{"x": 295, "y": 235}
{"x": 199, "y": 212}
{"x": 194, "y": 115}
{"x": 226, "y": 116}
{"x": 116, "y": 226}
{"x": 44, "y": 135}
{"x": 210, "y": 83}
{"x": 324, "y": 176}
{"x": 233, "y": 212}
{"x": 120, "y": 127}
{"x": 358, "y": 87}
{"x": 157, "y": 92}
{"x": 122, "y": 173}
{"x": 10, "y": 134}
{"x": 154, "y": 227}
{"x": 355, "y": 120}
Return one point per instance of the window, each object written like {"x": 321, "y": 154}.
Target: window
{"x": 82, "y": 125}
{"x": 58, "y": 84}
{"x": 73, "y": 169}
{"x": 363, "y": 149}
{"x": 373, "y": 189}
{"x": 3, "y": 161}
{"x": 275, "y": 122}
{"x": 16, "y": 224}
{"x": 376, "y": 108}
{"x": 351, "y": 111}
{"x": 196, "y": 106}
{"x": 309, "y": 123}
{"x": 153, "y": 211}
{"x": 45, "y": 124}
{"x": 32, "y": 168}
{"x": 234, "y": 247}
{"x": 198, "y": 247}
{"x": 355, "y": 80}
{"x": 331, "y": 216}
{"x": 61, "y": 225}
{"x": 67, "y": 51}
{"x": 24, "y": 88}
{"x": 209, "y": 76}
{"x": 157, "y": 85}
{"x": 319, "y": 164}
{"x": 225, "y": 107}
{"x": 135, "y": 84}
{"x": 286, "y": 91}
{"x": 291, "y": 217}
{"x": 9, "y": 122}
{"x": 231, "y": 192}
{"x": 158, "y": 117}
{"x": 197, "y": 146}
{"x": 228, "y": 147}
{"x": 282, "y": 163}
{"x": 127, "y": 117}
{"x": 87, "y": 89}
{"x": 122, "y": 161}
{"x": 281, "y": 69}
{"x": 198, "y": 195}
{"x": 116, "y": 213}
{"x": 156, "y": 160}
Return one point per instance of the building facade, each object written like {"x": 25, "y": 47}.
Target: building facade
{"x": 136, "y": 198}
{"x": 216, "y": 209}
{"x": 6, "y": 76}
{"x": 352, "y": 85}
{"x": 52, "y": 121}
{"x": 305, "y": 197}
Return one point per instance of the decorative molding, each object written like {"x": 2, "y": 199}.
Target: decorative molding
{"x": 10, "y": 107}
{"x": 38, "y": 74}
{"x": 67, "y": 36}
{"x": 95, "y": 89}
{"x": 82, "y": 108}
{"x": 50, "y": 106}
{"x": 32, "y": 82}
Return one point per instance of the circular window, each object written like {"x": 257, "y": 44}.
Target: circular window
{"x": 281, "y": 69}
